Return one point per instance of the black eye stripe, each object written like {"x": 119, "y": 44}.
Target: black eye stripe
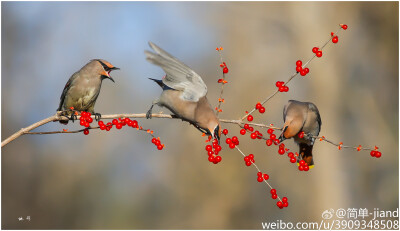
{"x": 106, "y": 68}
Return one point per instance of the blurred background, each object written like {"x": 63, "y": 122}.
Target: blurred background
{"x": 119, "y": 180}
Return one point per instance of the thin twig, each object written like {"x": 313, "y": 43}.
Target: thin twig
{"x": 291, "y": 77}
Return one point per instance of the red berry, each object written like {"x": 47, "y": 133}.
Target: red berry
{"x": 266, "y": 177}
{"x": 211, "y": 158}
{"x": 218, "y": 158}
{"x": 114, "y": 121}
{"x": 299, "y": 63}
{"x": 153, "y": 140}
{"x": 292, "y": 160}
{"x": 284, "y": 199}
{"x": 246, "y": 159}
{"x": 218, "y": 148}
{"x": 303, "y": 72}
{"x": 270, "y": 131}
{"x": 281, "y": 89}
{"x": 86, "y": 131}
{"x": 243, "y": 131}
{"x": 87, "y": 124}
{"x": 250, "y": 118}
{"x": 159, "y": 147}
{"x": 299, "y": 68}
{"x": 261, "y": 110}
{"x": 281, "y": 151}
{"x": 319, "y": 54}
{"x": 235, "y": 140}
{"x": 307, "y": 70}
{"x": 344, "y": 27}
{"x": 302, "y": 162}
{"x": 279, "y": 204}
{"x": 246, "y": 126}
{"x": 83, "y": 114}
{"x": 282, "y": 146}
{"x": 228, "y": 140}
{"x": 301, "y": 135}
{"x": 102, "y": 127}
{"x": 248, "y": 163}
{"x": 258, "y": 105}
{"x": 251, "y": 156}
{"x": 127, "y": 120}
{"x": 251, "y": 129}
{"x": 279, "y": 83}
{"x": 285, "y": 88}
{"x": 208, "y": 148}
{"x": 260, "y": 179}
{"x": 88, "y": 114}
{"x": 301, "y": 168}
{"x": 134, "y": 124}
{"x": 378, "y": 154}
{"x": 272, "y": 136}
{"x": 232, "y": 145}
{"x": 268, "y": 142}
{"x": 225, "y": 70}
{"x": 210, "y": 153}
{"x": 225, "y": 131}
{"x": 290, "y": 155}
{"x": 259, "y": 173}
{"x": 274, "y": 196}
{"x": 82, "y": 123}
{"x": 335, "y": 39}
{"x": 276, "y": 141}
{"x": 285, "y": 204}
{"x": 306, "y": 168}
{"x": 373, "y": 153}
{"x": 315, "y": 49}
{"x": 89, "y": 119}
{"x": 118, "y": 126}
{"x": 253, "y": 135}
{"x": 273, "y": 191}
{"x": 157, "y": 142}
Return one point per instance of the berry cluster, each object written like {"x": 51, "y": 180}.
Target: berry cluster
{"x": 317, "y": 52}
{"x": 280, "y": 204}
{"x": 281, "y": 87}
{"x": 272, "y": 138}
{"x": 260, "y": 108}
{"x": 376, "y": 154}
{"x": 85, "y": 121}
{"x": 299, "y": 68}
{"x": 261, "y": 177}
{"x": 303, "y": 166}
{"x": 212, "y": 151}
{"x": 249, "y": 159}
{"x": 232, "y": 142}
{"x": 157, "y": 143}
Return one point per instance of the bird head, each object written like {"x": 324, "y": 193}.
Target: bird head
{"x": 216, "y": 132}
{"x": 106, "y": 69}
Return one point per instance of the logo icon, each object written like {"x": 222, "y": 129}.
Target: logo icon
{"x": 327, "y": 214}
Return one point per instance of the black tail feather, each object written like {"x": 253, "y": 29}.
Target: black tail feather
{"x": 159, "y": 82}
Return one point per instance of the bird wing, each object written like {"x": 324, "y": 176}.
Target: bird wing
{"x": 314, "y": 108}
{"x": 65, "y": 91}
{"x": 179, "y": 75}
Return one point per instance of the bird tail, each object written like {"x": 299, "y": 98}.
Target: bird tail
{"x": 306, "y": 154}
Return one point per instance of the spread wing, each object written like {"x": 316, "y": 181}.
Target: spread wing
{"x": 179, "y": 76}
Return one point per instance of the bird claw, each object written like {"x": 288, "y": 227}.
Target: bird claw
{"x": 97, "y": 116}
{"x": 149, "y": 114}
{"x": 73, "y": 118}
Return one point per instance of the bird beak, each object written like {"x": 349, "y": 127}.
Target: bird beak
{"x": 106, "y": 74}
{"x": 216, "y": 136}
{"x": 115, "y": 68}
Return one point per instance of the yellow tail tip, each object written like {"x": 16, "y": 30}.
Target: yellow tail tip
{"x": 310, "y": 166}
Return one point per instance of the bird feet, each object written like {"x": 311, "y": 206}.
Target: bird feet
{"x": 97, "y": 116}
{"x": 149, "y": 112}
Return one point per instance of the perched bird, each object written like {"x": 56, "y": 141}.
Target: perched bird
{"x": 184, "y": 93}
{"x": 83, "y": 87}
{"x": 301, "y": 117}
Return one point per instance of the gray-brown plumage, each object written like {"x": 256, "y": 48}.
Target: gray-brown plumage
{"x": 184, "y": 93}
{"x": 301, "y": 117}
{"x": 83, "y": 87}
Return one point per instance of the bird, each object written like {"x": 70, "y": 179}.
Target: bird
{"x": 83, "y": 88}
{"x": 301, "y": 117}
{"x": 184, "y": 93}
